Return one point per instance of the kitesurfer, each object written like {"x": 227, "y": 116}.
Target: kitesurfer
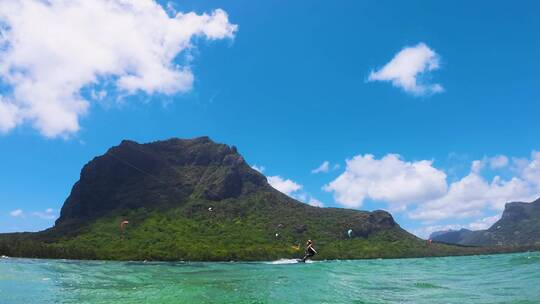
{"x": 310, "y": 251}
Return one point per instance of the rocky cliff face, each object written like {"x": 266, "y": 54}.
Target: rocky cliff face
{"x": 134, "y": 175}
{"x": 519, "y": 225}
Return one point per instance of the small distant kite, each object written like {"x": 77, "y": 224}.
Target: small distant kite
{"x": 123, "y": 226}
{"x": 350, "y": 232}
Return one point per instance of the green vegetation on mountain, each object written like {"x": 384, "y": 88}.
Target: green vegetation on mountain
{"x": 198, "y": 200}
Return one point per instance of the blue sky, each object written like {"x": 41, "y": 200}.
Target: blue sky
{"x": 292, "y": 86}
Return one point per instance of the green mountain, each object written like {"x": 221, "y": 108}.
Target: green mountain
{"x": 198, "y": 200}
{"x": 519, "y": 226}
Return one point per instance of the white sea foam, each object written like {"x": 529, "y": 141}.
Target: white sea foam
{"x": 287, "y": 261}
{"x": 283, "y": 261}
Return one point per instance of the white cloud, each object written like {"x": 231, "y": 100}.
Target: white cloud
{"x": 389, "y": 179}
{"x": 98, "y": 95}
{"x": 409, "y": 69}
{"x": 477, "y": 166}
{"x": 286, "y": 186}
{"x": 48, "y": 214}
{"x": 483, "y": 223}
{"x": 10, "y": 116}
{"x": 480, "y": 224}
{"x": 499, "y": 161}
{"x": 315, "y": 203}
{"x": 423, "y": 193}
{"x": 464, "y": 199}
{"x": 323, "y": 168}
{"x": 294, "y": 190}
{"x": 16, "y": 213}
{"x": 470, "y": 195}
{"x": 495, "y": 162}
{"x": 259, "y": 168}
{"x": 530, "y": 169}
{"x": 50, "y": 51}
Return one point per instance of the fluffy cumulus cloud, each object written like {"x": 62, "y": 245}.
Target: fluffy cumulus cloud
{"x": 422, "y": 192}
{"x": 530, "y": 169}
{"x": 281, "y": 184}
{"x": 9, "y": 115}
{"x": 410, "y": 70}
{"x": 389, "y": 179}
{"x": 499, "y": 161}
{"x": 52, "y": 51}
{"x": 293, "y": 189}
{"x": 472, "y": 194}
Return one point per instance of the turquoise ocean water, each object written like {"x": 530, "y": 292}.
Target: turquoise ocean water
{"x": 509, "y": 278}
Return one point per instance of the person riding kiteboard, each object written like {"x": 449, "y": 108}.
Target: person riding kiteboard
{"x": 310, "y": 251}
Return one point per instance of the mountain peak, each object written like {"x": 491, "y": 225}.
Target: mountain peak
{"x": 133, "y": 175}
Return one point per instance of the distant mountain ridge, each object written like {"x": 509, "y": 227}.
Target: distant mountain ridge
{"x": 519, "y": 225}
{"x": 450, "y": 236}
